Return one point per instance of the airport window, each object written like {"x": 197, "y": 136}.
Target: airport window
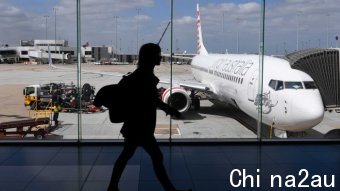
{"x": 7, "y": 52}
{"x": 217, "y": 78}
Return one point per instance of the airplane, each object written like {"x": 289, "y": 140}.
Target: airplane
{"x": 291, "y": 101}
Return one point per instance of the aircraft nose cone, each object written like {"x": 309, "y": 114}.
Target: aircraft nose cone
{"x": 307, "y": 110}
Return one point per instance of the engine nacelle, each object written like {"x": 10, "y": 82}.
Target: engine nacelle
{"x": 179, "y": 98}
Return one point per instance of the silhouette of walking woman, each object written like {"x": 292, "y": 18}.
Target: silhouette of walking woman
{"x": 139, "y": 124}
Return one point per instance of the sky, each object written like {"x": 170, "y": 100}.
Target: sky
{"x": 228, "y": 25}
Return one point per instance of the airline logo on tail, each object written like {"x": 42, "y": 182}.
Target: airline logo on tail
{"x": 200, "y": 46}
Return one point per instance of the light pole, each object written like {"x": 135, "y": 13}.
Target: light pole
{"x": 55, "y": 29}
{"x": 327, "y": 35}
{"x": 116, "y": 42}
{"x": 120, "y": 44}
{"x": 237, "y": 35}
{"x": 138, "y": 9}
{"x": 222, "y": 32}
{"x": 298, "y": 29}
{"x": 120, "y": 49}
{"x": 46, "y": 17}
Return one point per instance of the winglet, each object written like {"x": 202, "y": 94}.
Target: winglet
{"x": 200, "y": 46}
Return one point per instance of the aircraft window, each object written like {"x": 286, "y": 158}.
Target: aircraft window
{"x": 310, "y": 85}
{"x": 279, "y": 85}
{"x": 272, "y": 84}
{"x": 293, "y": 85}
{"x": 276, "y": 85}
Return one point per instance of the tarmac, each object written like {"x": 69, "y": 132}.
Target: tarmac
{"x": 210, "y": 122}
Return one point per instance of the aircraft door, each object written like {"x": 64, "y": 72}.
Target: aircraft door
{"x": 253, "y": 87}
{"x": 282, "y": 107}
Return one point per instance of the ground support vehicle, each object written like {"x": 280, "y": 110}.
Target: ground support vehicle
{"x": 40, "y": 97}
{"x": 38, "y": 127}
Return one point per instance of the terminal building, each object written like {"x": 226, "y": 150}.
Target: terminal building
{"x": 38, "y": 51}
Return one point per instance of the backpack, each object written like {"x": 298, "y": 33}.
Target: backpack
{"x": 112, "y": 97}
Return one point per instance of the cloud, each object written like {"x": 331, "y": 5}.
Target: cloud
{"x": 249, "y": 8}
{"x": 17, "y": 24}
{"x": 90, "y": 7}
{"x": 98, "y": 24}
{"x": 185, "y": 20}
{"x": 142, "y": 18}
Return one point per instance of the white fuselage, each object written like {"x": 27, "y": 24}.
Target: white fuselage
{"x": 234, "y": 79}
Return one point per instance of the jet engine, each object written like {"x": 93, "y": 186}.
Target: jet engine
{"x": 179, "y": 98}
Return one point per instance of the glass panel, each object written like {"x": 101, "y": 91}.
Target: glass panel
{"x": 219, "y": 93}
{"x": 36, "y": 37}
{"x": 111, "y": 37}
{"x": 220, "y": 82}
{"x": 304, "y": 108}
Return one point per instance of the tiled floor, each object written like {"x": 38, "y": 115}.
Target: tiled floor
{"x": 203, "y": 168}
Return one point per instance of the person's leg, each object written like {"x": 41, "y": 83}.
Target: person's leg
{"x": 152, "y": 148}
{"x": 55, "y": 118}
{"x": 127, "y": 153}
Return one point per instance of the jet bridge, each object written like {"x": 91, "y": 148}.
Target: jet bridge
{"x": 324, "y": 67}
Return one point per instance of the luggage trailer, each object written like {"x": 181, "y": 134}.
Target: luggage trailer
{"x": 38, "y": 127}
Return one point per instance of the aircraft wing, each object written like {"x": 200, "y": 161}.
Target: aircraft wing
{"x": 190, "y": 85}
{"x": 116, "y": 74}
{"x": 185, "y": 84}
{"x": 186, "y": 57}
{"x": 195, "y": 86}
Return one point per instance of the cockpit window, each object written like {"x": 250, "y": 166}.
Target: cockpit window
{"x": 272, "y": 84}
{"x": 276, "y": 85}
{"x": 293, "y": 85}
{"x": 310, "y": 85}
{"x": 279, "y": 85}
